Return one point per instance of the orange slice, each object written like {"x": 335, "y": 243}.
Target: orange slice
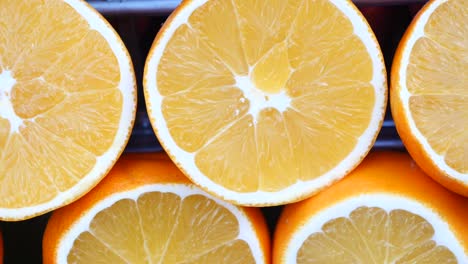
{"x": 147, "y": 211}
{"x": 429, "y": 93}
{"x": 67, "y": 103}
{"x": 386, "y": 211}
{"x": 265, "y": 102}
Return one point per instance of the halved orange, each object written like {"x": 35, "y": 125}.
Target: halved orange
{"x": 386, "y": 211}
{"x": 147, "y": 211}
{"x": 67, "y": 103}
{"x": 429, "y": 92}
{"x": 265, "y": 102}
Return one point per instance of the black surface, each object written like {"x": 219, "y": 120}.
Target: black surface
{"x": 22, "y": 240}
{"x": 162, "y": 7}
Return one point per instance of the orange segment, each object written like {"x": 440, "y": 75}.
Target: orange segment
{"x": 45, "y": 47}
{"x": 67, "y": 103}
{"x": 90, "y": 247}
{"x": 14, "y": 36}
{"x": 319, "y": 248}
{"x": 449, "y": 16}
{"x": 456, "y": 156}
{"x": 18, "y": 160}
{"x": 407, "y": 232}
{"x": 439, "y": 122}
{"x": 239, "y": 176}
{"x": 221, "y": 33}
{"x": 180, "y": 64}
{"x": 307, "y": 98}
{"x": 165, "y": 225}
{"x": 429, "y": 253}
{"x": 344, "y": 63}
{"x": 216, "y": 108}
{"x": 52, "y": 150}
{"x": 145, "y": 210}
{"x": 111, "y": 228}
{"x": 41, "y": 151}
{"x": 73, "y": 118}
{"x": 323, "y": 128}
{"x": 211, "y": 226}
{"x": 445, "y": 69}
{"x": 307, "y": 141}
{"x": 263, "y": 24}
{"x": 319, "y": 28}
{"x": 229, "y": 254}
{"x": 273, "y": 137}
{"x": 34, "y": 97}
{"x": 87, "y": 70}
{"x": 4, "y": 132}
{"x": 273, "y": 70}
{"x": 372, "y": 224}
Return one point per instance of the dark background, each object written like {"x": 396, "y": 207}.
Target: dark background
{"x": 138, "y": 22}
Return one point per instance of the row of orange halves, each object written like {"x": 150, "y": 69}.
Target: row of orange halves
{"x": 259, "y": 103}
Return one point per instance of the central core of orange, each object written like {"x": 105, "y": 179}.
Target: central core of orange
{"x": 7, "y": 82}
{"x": 261, "y": 99}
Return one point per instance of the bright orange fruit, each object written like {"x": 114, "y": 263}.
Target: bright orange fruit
{"x": 147, "y": 211}
{"x": 265, "y": 102}
{"x": 429, "y": 92}
{"x": 386, "y": 211}
{"x": 67, "y": 103}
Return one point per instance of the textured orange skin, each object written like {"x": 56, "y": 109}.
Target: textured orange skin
{"x": 130, "y": 172}
{"x": 412, "y": 144}
{"x": 153, "y": 121}
{"x": 380, "y": 173}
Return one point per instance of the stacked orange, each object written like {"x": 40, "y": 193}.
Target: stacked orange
{"x": 385, "y": 211}
{"x": 67, "y": 103}
{"x": 429, "y": 93}
{"x": 147, "y": 211}
{"x": 265, "y": 102}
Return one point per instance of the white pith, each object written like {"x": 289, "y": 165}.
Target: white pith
{"x": 7, "y": 82}
{"x": 299, "y": 189}
{"x": 404, "y": 94}
{"x": 246, "y": 230}
{"x": 259, "y": 99}
{"x": 104, "y": 162}
{"x": 442, "y": 236}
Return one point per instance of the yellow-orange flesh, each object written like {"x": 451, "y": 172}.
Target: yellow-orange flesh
{"x": 436, "y": 78}
{"x": 306, "y": 72}
{"x": 146, "y": 211}
{"x": 162, "y": 228}
{"x": 54, "y": 123}
{"x": 371, "y": 235}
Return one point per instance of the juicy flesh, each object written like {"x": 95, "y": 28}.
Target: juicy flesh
{"x": 306, "y": 91}
{"x": 162, "y": 228}
{"x": 372, "y": 235}
{"x": 437, "y": 79}
{"x": 63, "y": 109}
